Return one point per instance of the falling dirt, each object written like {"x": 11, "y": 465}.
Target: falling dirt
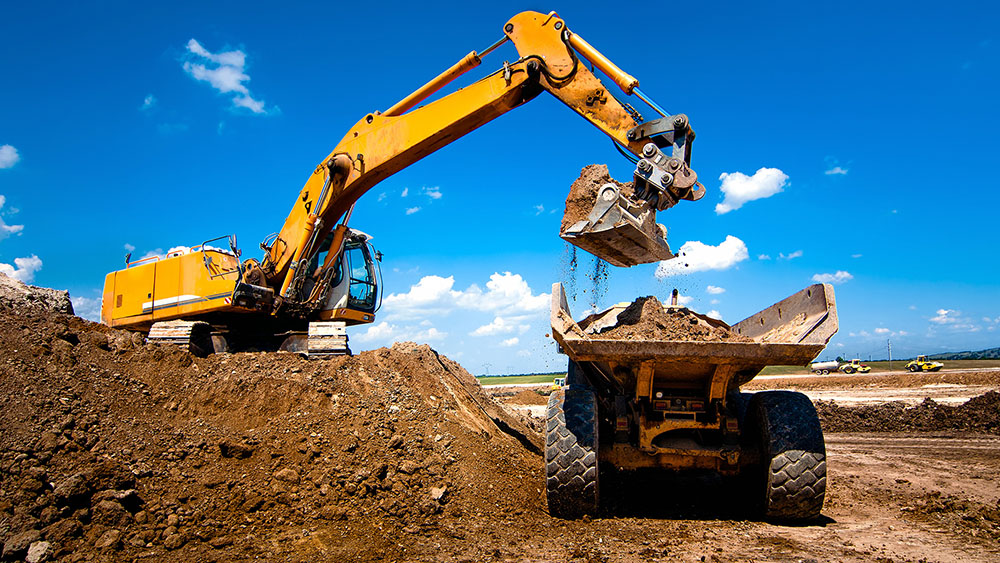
{"x": 647, "y": 319}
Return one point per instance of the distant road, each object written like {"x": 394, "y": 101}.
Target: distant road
{"x": 872, "y": 374}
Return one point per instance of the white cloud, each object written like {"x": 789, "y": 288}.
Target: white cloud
{"x": 524, "y": 353}
{"x": 8, "y": 156}
{"x": 740, "y": 188}
{"x": 23, "y": 269}
{"x": 836, "y": 170}
{"x": 695, "y": 256}
{"x": 224, "y": 72}
{"x": 856, "y": 255}
{"x": 792, "y": 256}
{"x": 148, "y": 102}
{"x": 763, "y": 257}
{"x": 714, "y": 302}
{"x": 894, "y": 211}
{"x": 946, "y": 316}
{"x": 714, "y": 314}
{"x": 5, "y": 229}
{"x": 433, "y": 193}
{"x": 405, "y": 192}
{"x": 684, "y": 300}
{"x": 389, "y": 333}
{"x": 506, "y": 295}
{"x": 539, "y": 209}
{"x": 500, "y": 326}
{"x": 382, "y": 330}
{"x": 129, "y": 247}
{"x": 510, "y": 342}
{"x": 715, "y": 290}
{"x": 913, "y": 307}
{"x": 87, "y": 307}
{"x": 412, "y": 210}
{"x": 840, "y": 276}
{"x": 382, "y": 196}
{"x": 882, "y": 330}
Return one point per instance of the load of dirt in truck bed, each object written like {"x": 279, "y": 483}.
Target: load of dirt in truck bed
{"x": 647, "y": 319}
{"x": 116, "y": 450}
{"x": 979, "y": 414}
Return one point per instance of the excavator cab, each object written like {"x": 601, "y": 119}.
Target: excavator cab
{"x": 354, "y": 293}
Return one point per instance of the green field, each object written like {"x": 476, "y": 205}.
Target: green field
{"x": 516, "y": 379}
{"x": 770, "y": 370}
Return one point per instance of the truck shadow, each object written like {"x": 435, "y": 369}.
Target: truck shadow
{"x": 690, "y": 495}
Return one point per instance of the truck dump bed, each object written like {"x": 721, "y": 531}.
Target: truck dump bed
{"x": 791, "y": 332}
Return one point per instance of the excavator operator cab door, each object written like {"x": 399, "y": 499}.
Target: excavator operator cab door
{"x": 354, "y": 292}
{"x": 362, "y": 272}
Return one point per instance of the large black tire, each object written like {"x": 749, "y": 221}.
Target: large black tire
{"x": 914, "y": 368}
{"x": 789, "y": 483}
{"x": 571, "y": 453}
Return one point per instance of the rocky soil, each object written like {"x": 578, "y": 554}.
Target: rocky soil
{"x": 117, "y": 450}
{"x": 646, "y": 319}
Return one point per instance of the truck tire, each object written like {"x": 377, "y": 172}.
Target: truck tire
{"x": 914, "y": 368}
{"x": 571, "y": 473}
{"x": 789, "y": 482}
{"x": 848, "y": 371}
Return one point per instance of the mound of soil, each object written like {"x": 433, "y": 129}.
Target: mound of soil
{"x": 17, "y": 296}
{"x": 583, "y": 193}
{"x": 528, "y": 397}
{"x": 115, "y": 450}
{"x": 979, "y": 414}
{"x": 646, "y": 319}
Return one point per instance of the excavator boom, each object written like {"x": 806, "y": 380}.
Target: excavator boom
{"x": 382, "y": 143}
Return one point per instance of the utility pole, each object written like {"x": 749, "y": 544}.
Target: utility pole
{"x": 888, "y": 344}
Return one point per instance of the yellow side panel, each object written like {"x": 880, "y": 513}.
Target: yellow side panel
{"x": 172, "y": 288}
{"x": 132, "y": 288}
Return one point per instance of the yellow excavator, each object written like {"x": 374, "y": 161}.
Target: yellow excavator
{"x": 318, "y": 275}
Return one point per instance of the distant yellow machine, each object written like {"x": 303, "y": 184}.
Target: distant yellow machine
{"x": 923, "y": 364}
{"x": 854, "y": 366}
{"x": 317, "y": 275}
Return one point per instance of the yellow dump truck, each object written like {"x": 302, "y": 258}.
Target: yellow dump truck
{"x": 676, "y": 404}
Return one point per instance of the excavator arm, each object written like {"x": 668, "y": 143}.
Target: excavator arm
{"x": 552, "y": 59}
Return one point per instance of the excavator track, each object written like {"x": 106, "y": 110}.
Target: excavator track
{"x": 327, "y": 338}
{"x": 190, "y": 336}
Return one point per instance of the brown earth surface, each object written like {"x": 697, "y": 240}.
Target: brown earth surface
{"x": 583, "y": 193}
{"x": 528, "y": 397}
{"x": 646, "y": 319}
{"x": 114, "y": 450}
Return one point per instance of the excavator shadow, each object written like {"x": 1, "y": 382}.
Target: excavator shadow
{"x": 690, "y": 495}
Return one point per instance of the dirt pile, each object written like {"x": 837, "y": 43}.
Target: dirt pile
{"x": 646, "y": 319}
{"x": 979, "y": 414}
{"x": 115, "y": 450}
{"x": 583, "y": 193}
{"x": 17, "y": 296}
{"x": 528, "y": 397}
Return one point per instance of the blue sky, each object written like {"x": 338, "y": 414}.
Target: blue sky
{"x": 867, "y": 133}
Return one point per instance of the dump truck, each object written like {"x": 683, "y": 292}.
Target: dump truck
{"x": 318, "y": 275}
{"x": 923, "y": 364}
{"x": 676, "y": 404}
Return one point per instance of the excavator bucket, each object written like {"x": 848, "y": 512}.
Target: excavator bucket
{"x": 620, "y": 230}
